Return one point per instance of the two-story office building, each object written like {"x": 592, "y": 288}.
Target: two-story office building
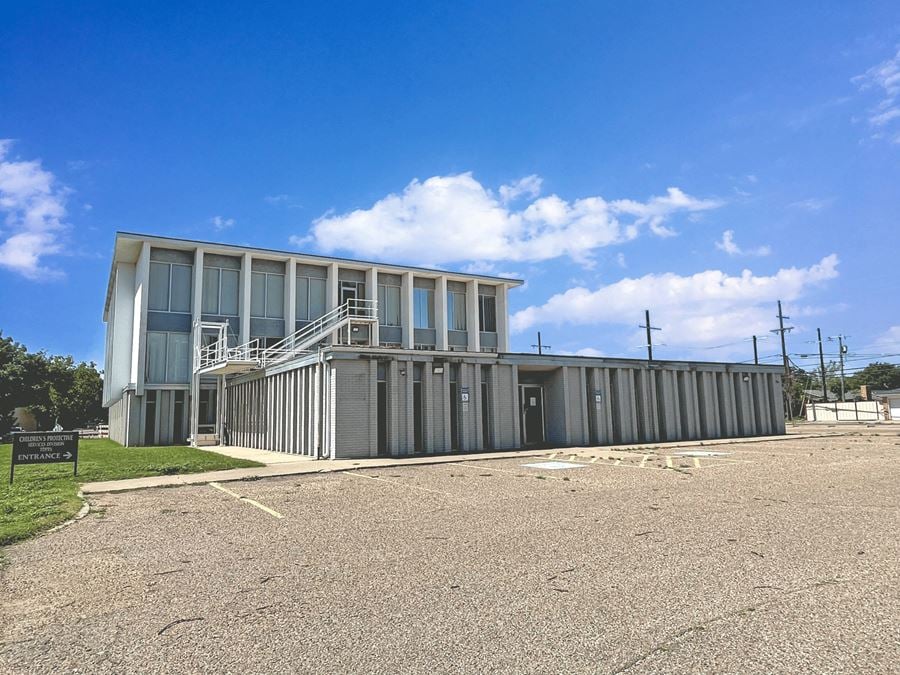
{"x": 328, "y": 357}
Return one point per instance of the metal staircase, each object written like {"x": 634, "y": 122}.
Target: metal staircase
{"x": 217, "y": 358}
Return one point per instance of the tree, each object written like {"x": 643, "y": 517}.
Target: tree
{"x": 20, "y": 377}
{"x": 53, "y": 388}
{"x": 877, "y": 375}
{"x": 82, "y": 404}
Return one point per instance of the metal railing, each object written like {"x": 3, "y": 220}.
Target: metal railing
{"x": 353, "y": 310}
{"x": 220, "y": 352}
{"x": 299, "y": 342}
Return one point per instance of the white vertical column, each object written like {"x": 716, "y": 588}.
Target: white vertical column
{"x": 246, "y": 269}
{"x": 332, "y": 296}
{"x": 585, "y": 406}
{"x": 395, "y": 392}
{"x": 472, "y": 316}
{"x": 516, "y": 408}
{"x": 406, "y": 311}
{"x": 197, "y": 295}
{"x": 372, "y": 294}
{"x": 196, "y": 341}
{"x": 373, "y": 407}
{"x": 139, "y": 332}
{"x": 409, "y": 443}
{"x": 440, "y": 313}
{"x": 567, "y": 406}
{"x": 428, "y": 410}
{"x": 290, "y": 298}
{"x": 445, "y": 408}
{"x": 502, "y": 318}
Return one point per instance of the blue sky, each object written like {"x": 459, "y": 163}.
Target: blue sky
{"x": 701, "y": 160}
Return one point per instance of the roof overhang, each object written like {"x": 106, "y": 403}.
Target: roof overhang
{"x": 127, "y": 249}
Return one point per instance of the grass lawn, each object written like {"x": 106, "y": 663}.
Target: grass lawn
{"x": 45, "y": 495}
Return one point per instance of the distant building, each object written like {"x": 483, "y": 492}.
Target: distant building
{"x": 24, "y": 419}
{"x": 328, "y": 357}
{"x": 890, "y": 401}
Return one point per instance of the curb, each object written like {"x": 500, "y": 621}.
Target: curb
{"x": 271, "y": 471}
{"x": 82, "y": 512}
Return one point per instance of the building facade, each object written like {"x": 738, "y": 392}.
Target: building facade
{"x": 325, "y": 357}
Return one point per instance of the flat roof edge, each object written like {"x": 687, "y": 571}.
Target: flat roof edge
{"x": 525, "y": 358}
{"x": 331, "y": 259}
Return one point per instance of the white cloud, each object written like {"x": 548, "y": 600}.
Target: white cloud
{"x": 697, "y": 310}
{"x": 888, "y": 340}
{"x": 620, "y": 260}
{"x": 530, "y": 187}
{"x": 490, "y": 269}
{"x": 812, "y": 204}
{"x": 455, "y": 218}
{"x": 34, "y": 208}
{"x": 728, "y": 244}
{"x": 586, "y": 351}
{"x": 282, "y": 200}
{"x": 884, "y": 77}
{"x": 219, "y": 223}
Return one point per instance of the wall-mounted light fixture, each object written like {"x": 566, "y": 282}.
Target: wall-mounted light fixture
{"x": 403, "y": 371}
{"x": 438, "y": 370}
{"x": 746, "y": 378}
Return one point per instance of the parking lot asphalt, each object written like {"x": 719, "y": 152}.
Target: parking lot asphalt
{"x": 775, "y": 557}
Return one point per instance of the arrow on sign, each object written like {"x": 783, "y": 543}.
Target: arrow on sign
{"x": 68, "y": 455}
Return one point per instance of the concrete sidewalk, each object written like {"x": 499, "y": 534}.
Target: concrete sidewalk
{"x": 279, "y": 466}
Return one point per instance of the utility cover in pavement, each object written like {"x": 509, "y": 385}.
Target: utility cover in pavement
{"x": 553, "y": 466}
{"x": 702, "y": 453}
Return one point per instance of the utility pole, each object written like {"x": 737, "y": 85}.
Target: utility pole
{"x": 842, "y": 349}
{"x": 540, "y": 346}
{"x": 755, "y": 339}
{"x": 649, "y": 328}
{"x": 782, "y": 330}
{"x": 822, "y": 365}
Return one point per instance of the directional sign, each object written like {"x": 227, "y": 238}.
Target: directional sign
{"x": 44, "y": 447}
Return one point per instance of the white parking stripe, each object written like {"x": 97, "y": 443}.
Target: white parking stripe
{"x": 396, "y": 482}
{"x": 255, "y": 503}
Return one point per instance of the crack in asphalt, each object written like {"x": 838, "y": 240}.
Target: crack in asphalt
{"x": 665, "y": 644}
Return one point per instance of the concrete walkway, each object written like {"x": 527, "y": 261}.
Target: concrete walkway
{"x": 278, "y": 465}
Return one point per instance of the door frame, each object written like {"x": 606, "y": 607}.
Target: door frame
{"x": 352, "y": 286}
{"x": 525, "y": 441}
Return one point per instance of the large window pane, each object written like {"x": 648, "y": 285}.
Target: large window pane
{"x": 178, "y": 358}
{"x": 316, "y": 298}
{"x": 258, "y": 294}
{"x": 156, "y": 358}
{"x": 423, "y": 308}
{"x": 302, "y": 305}
{"x": 210, "y": 300}
{"x": 275, "y": 296}
{"x": 231, "y": 283}
{"x": 456, "y": 310}
{"x": 487, "y": 313}
{"x": 159, "y": 287}
{"x": 181, "y": 288}
{"x": 389, "y": 305}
